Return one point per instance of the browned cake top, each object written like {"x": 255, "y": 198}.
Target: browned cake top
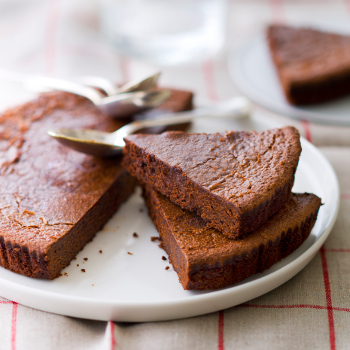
{"x": 306, "y": 54}
{"x": 203, "y": 245}
{"x": 46, "y": 187}
{"x": 243, "y": 168}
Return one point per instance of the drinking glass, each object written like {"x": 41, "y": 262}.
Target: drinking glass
{"x": 166, "y": 32}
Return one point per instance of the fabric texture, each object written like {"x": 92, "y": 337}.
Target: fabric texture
{"x": 311, "y": 311}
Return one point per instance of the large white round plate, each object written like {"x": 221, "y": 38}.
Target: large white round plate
{"x": 122, "y": 287}
{"x": 254, "y": 74}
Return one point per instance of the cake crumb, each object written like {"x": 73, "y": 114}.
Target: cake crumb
{"x": 60, "y": 275}
{"x": 164, "y": 258}
{"x": 66, "y": 274}
{"x": 82, "y": 270}
{"x": 167, "y": 268}
{"x": 77, "y": 264}
{"x": 154, "y": 238}
{"x": 86, "y": 259}
{"x": 100, "y": 251}
{"x": 28, "y": 212}
{"x": 130, "y": 253}
{"x": 75, "y": 258}
{"x": 135, "y": 235}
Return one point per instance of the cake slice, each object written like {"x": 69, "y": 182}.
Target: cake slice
{"x": 181, "y": 100}
{"x": 53, "y": 200}
{"x": 235, "y": 181}
{"x": 313, "y": 66}
{"x": 205, "y": 259}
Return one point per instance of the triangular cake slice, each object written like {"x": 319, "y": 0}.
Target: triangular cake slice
{"x": 235, "y": 181}
{"x": 205, "y": 259}
{"x": 313, "y": 66}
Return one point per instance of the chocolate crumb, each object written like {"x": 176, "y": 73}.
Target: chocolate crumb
{"x": 164, "y": 258}
{"x": 77, "y": 264}
{"x": 130, "y": 253}
{"x": 82, "y": 270}
{"x": 100, "y": 251}
{"x": 167, "y": 268}
{"x": 135, "y": 234}
{"x": 86, "y": 259}
{"x": 154, "y": 238}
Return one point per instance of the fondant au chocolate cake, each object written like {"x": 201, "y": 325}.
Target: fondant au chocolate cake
{"x": 205, "y": 259}
{"x": 313, "y": 65}
{"x": 53, "y": 199}
{"x": 181, "y": 100}
{"x": 235, "y": 181}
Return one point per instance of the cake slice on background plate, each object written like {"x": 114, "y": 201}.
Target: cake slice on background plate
{"x": 313, "y": 66}
{"x": 235, "y": 181}
{"x": 205, "y": 259}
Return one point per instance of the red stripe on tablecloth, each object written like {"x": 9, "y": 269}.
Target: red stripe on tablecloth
{"x": 221, "y": 345}
{"x": 300, "y": 306}
{"x": 113, "y": 341}
{"x": 341, "y": 309}
{"x": 327, "y": 286}
{"x": 347, "y": 5}
{"x": 50, "y": 38}
{"x": 277, "y": 11}
{"x": 124, "y": 65}
{"x": 307, "y": 129}
{"x": 208, "y": 70}
{"x": 14, "y": 325}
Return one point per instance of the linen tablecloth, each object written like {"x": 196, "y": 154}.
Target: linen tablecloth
{"x": 61, "y": 38}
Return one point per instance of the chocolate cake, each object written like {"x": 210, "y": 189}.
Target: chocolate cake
{"x": 181, "y": 100}
{"x": 53, "y": 199}
{"x": 205, "y": 259}
{"x": 235, "y": 181}
{"x": 313, "y": 66}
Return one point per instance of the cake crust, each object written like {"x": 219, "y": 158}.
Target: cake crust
{"x": 205, "y": 259}
{"x": 313, "y": 66}
{"x": 235, "y": 181}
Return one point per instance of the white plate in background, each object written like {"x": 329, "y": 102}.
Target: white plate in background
{"x": 252, "y": 71}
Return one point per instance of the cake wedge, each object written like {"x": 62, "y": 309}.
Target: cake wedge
{"x": 313, "y": 65}
{"x": 235, "y": 181}
{"x": 205, "y": 259}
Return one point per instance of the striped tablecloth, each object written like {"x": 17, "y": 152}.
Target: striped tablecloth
{"x": 311, "y": 311}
